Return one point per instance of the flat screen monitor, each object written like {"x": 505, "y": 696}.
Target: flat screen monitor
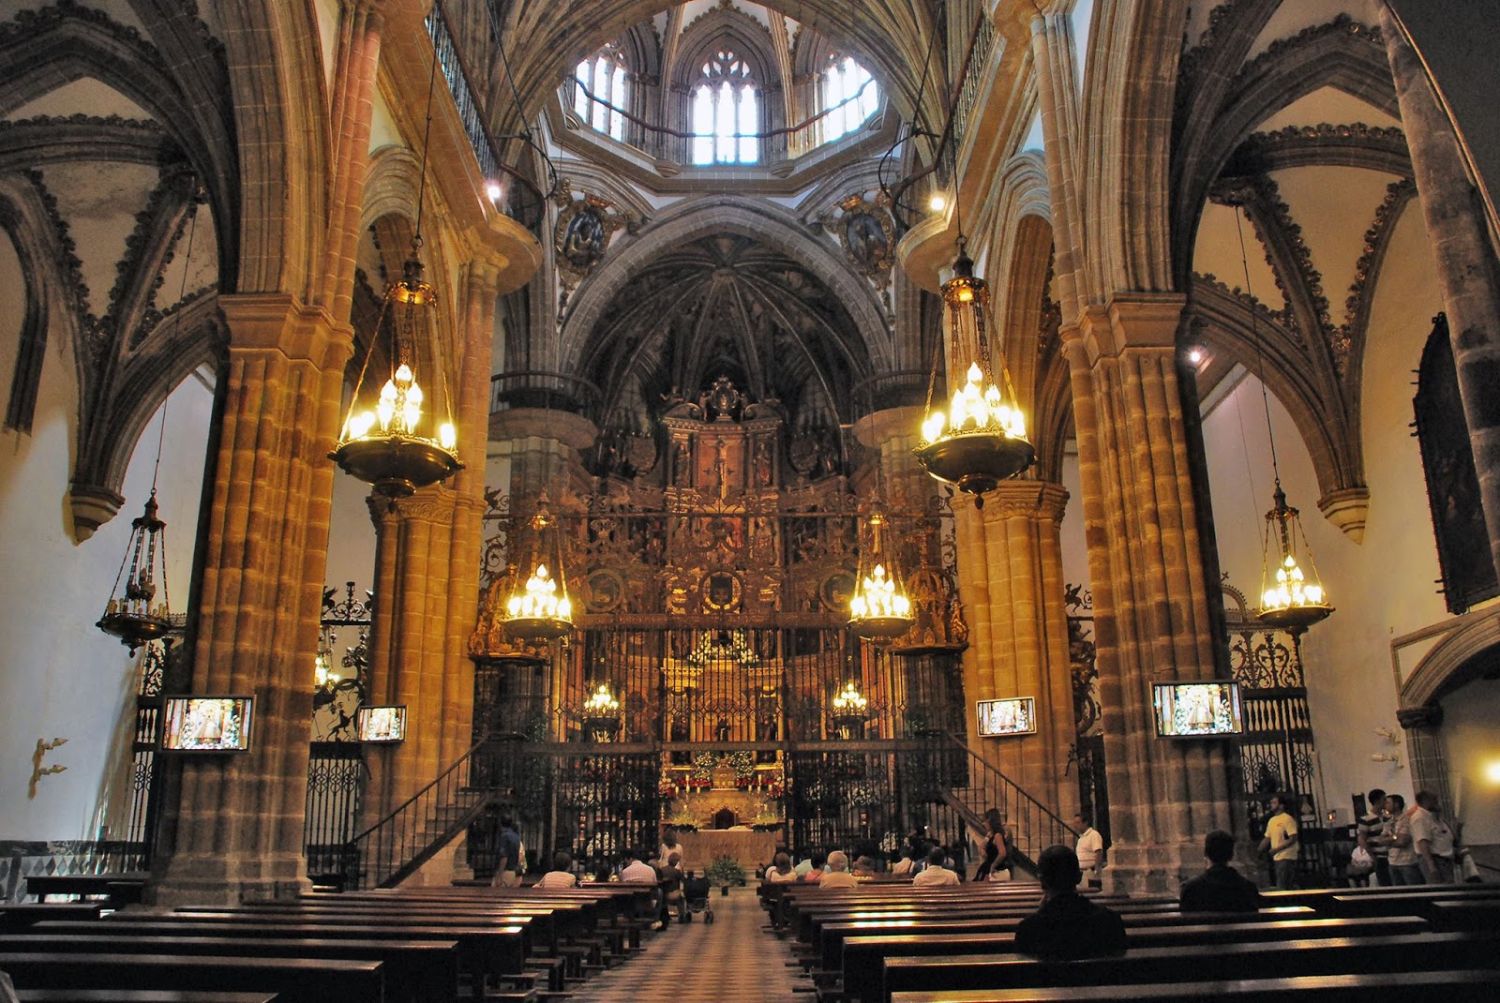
{"x": 381, "y": 724}
{"x": 1011, "y": 716}
{"x": 206, "y": 724}
{"x": 1197, "y": 710}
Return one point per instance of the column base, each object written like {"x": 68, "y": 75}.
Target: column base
{"x": 1153, "y": 868}
{"x": 212, "y": 879}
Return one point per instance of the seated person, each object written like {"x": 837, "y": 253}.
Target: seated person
{"x": 1067, "y": 926}
{"x": 803, "y": 866}
{"x": 935, "y": 873}
{"x": 864, "y": 867}
{"x": 672, "y": 899}
{"x": 561, "y": 875}
{"x": 637, "y": 870}
{"x": 906, "y": 862}
{"x": 780, "y": 872}
{"x": 837, "y": 875}
{"x": 1221, "y": 888}
{"x": 818, "y": 861}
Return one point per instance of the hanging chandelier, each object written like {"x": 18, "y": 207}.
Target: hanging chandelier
{"x": 981, "y": 439}
{"x": 133, "y": 615}
{"x": 541, "y": 608}
{"x": 879, "y": 609}
{"x": 850, "y": 710}
{"x": 383, "y": 444}
{"x": 1292, "y": 597}
{"x": 601, "y": 714}
{"x": 1295, "y": 601}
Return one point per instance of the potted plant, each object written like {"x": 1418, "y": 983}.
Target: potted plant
{"x": 724, "y": 871}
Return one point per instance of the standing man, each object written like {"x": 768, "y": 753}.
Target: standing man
{"x": 509, "y": 873}
{"x": 1281, "y": 840}
{"x": 1370, "y": 833}
{"x": 1433, "y": 839}
{"x": 1090, "y": 849}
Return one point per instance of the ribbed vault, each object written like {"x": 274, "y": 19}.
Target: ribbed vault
{"x": 726, "y": 305}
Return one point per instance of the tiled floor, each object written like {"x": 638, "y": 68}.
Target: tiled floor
{"x": 733, "y": 961}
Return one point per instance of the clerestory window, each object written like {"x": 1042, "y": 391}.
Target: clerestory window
{"x": 726, "y": 112}
{"x": 602, "y": 90}
{"x": 850, "y": 96}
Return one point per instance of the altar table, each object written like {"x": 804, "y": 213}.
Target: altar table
{"x": 749, "y": 848}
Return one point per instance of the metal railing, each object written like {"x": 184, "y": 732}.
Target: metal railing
{"x": 394, "y": 848}
{"x": 973, "y": 787}
{"x": 542, "y": 389}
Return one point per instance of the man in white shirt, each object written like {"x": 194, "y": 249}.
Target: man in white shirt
{"x": 1090, "y": 850}
{"x": 935, "y": 873}
{"x": 639, "y": 871}
{"x": 561, "y": 875}
{"x": 837, "y": 875}
{"x": 1433, "y": 839}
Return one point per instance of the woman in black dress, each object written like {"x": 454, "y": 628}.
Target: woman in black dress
{"x": 996, "y": 847}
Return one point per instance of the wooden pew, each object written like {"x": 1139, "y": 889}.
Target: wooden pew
{"x": 1215, "y": 962}
{"x": 1461, "y": 986}
{"x": 483, "y": 952}
{"x": 17, "y": 915}
{"x": 415, "y": 971}
{"x": 865, "y": 957}
{"x": 296, "y": 980}
{"x": 119, "y": 889}
{"x": 138, "y": 996}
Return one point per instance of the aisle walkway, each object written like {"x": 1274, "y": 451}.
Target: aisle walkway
{"x": 733, "y": 961}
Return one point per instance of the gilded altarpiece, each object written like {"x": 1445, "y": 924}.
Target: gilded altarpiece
{"x": 713, "y": 582}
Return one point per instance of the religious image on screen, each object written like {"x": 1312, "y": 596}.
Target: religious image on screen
{"x": 1012, "y": 716}
{"x": 206, "y": 724}
{"x": 1187, "y": 710}
{"x": 382, "y": 724}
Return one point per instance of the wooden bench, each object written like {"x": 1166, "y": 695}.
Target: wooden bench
{"x": 22, "y": 914}
{"x": 138, "y": 996}
{"x": 1209, "y": 962}
{"x": 295, "y": 980}
{"x": 1460, "y": 986}
{"x": 865, "y": 957}
{"x": 415, "y": 971}
{"x": 119, "y": 889}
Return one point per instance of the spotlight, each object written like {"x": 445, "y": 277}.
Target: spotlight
{"x": 938, "y": 202}
{"x": 493, "y": 190}
{"x": 1195, "y": 355}
{"x": 1492, "y": 772}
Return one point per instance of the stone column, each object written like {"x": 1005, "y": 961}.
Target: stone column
{"x": 238, "y": 823}
{"x": 237, "y": 829}
{"x": 1151, "y": 597}
{"x": 1424, "y": 741}
{"x": 1466, "y": 263}
{"x": 1011, "y": 581}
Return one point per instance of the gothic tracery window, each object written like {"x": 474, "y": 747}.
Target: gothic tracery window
{"x": 726, "y": 112}
{"x": 851, "y": 94}
{"x": 602, "y": 90}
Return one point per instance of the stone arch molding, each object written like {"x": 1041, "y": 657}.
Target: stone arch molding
{"x": 1448, "y": 661}
{"x": 727, "y": 215}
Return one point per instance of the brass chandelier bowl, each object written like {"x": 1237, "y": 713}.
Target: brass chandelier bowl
{"x": 881, "y": 628}
{"x": 538, "y": 628}
{"x": 396, "y": 465}
{"x": 976, "y": 462}
{"x": 135, "y": 629}
{"x": 1297, "y": 617}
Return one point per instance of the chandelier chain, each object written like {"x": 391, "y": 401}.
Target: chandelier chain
{"x": 1260, "y": 361}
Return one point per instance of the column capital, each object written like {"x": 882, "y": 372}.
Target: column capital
{"x": 888, "y": 423}
{"x": 541, "y": 423}
{"x": 1132, "y": 320}
{"x": 280, "y": 322}
{"x": 1426, "y": 716}
{"x": 1033, "y": 499}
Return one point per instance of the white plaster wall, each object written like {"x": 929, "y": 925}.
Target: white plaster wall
{"x": 62, "y": 677}
{"x": 1471, "y": 741}
{"x": 1075, "y": 550}
{"x": 351, "y": 536}
{"x": 1380, "y": 588}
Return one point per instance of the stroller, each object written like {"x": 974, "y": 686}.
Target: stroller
{"x": 695, "y": 895}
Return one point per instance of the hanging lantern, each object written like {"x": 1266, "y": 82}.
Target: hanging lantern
{"x": 133, "y": 614}
{"x": 383, "y": 444}
{"x": 981, "y": 439}
{"x": 850, "y": 711}
{"x": 879, "y": 609}
{"x": 601, "y": 715}
{"x": 541, "y": 607}
{"x": 1292, "y": 597}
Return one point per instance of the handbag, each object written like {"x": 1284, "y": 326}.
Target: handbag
{"x": 1360, "y": 861}
{"x": 1468, "y": 870}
